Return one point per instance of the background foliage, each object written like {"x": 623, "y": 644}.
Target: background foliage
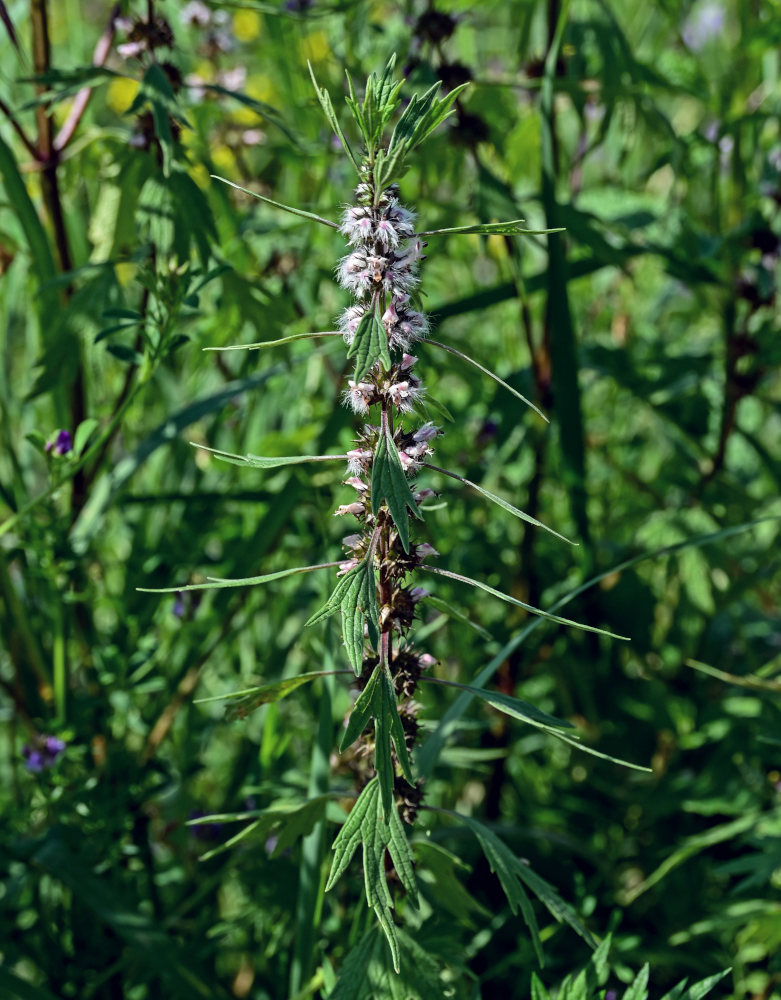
{"x": 648, "y": 333}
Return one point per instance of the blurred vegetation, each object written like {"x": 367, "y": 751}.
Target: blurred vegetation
{"x": 648, "y": 332}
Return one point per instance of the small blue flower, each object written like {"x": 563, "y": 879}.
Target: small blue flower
{"x": 62, "y": 444}
{"x": 42, "y": 752}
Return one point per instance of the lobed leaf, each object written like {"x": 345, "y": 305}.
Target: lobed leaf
{"x": 511, "y": 872}
{"x": 367, "y": 825}
{"x": 355, "y": 596}
{"x": 369, "y": 345}
{"x": 243, "y": 702}
{"x": 287, "y": 821}
{"x": 325, "y": 103}
{"x": 389, "y": 483}
{"x": 378, "y": 701}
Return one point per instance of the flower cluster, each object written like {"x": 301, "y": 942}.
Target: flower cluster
{"x": 42, "y": 752}
{"x": 382, "y": 268}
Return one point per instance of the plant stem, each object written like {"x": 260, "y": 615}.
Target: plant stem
{"x": 49, "y": 157}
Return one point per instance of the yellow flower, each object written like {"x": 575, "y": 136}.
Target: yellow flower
{"x": 125, "y": 272}
{"x": 223, "y": 159}
{"x": 200, "y": 174}
{"x": 121, "y": 93}
{"x": 315, "y": 47}
{"x": 246, "y": 25}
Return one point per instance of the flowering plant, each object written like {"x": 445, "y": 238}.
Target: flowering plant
{"x": 375, "y": 593}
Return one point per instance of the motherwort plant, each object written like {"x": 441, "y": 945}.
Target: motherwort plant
{"x": 376, "y": 586}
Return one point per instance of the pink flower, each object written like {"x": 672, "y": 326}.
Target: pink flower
{"x": 346, "y": 566}
{"x": 350, "y": 508}
{"x": 358, "y": 460}
{"x": 357, "y": 483}
{"x": 358, "y": 395}
{"x": 407, "y": 462}
{"x": 386, "y": 234}
{"x": 425, "y": 550}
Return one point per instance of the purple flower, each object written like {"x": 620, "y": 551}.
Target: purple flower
{"x": 42, "y": 752}
{"x": 62, "y": 444}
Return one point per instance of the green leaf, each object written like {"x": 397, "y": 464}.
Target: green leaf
{"x": 277, "y": 204}
{"x": 638, "y": 989}
{"x": 355, "y": 595}
{"x": 124, "y": 353}
{"x": 518, "y": 709}
{"x": 697, "y": 990}
{"x": 261, "y": 462}
{"x": 83, "y": 434}
{"x": 246, "y": 701}
{"x": 368, "y": 975}
{"x": 499, "y": 501}
{"x": 428, "y": 753}
{"x": 488, "y": 372}
{"x": 538, "y": 990}
{"x": 367, "y": 825}
{"x": 369, "y": 345}
{"x": 435, "y": 113}
{"x": 409, "y": 119}
{"x": 389, "y": 483}
{"x": 156, "y": 91}
{"x": 325, "y": 103}
{"x": 511, "y": 872}
{"x": 401, "y": 855}
{"x": 492, "y": 229}
{"x": 349, "y": 837}
{"x": 261, "y": 108}
{"x": 287, "y": 821}
{"x": 520, "y": 604}
{"x": 274, "y": 343}
{"x": 105, "y": 489}
{"x": 378, "y": 701}
{"x": 216, "y": 582}
{"x": 431, "y": 404}
{"x": 65, "y": 856}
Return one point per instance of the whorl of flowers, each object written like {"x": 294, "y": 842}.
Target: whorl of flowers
{"x": 371, "y": 594}
{"x": 381, "y": 271}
